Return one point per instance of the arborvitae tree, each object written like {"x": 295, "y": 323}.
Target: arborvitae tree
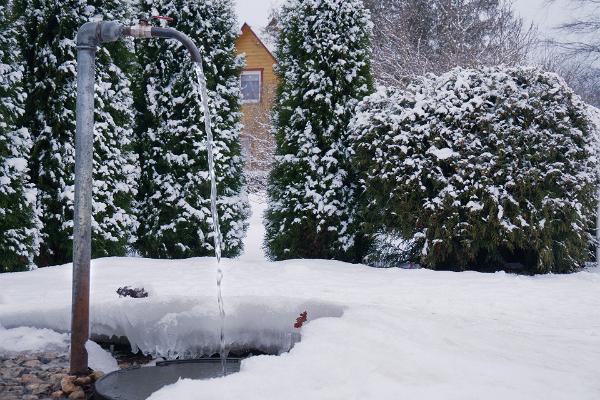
{"x": 48, "y": 42}
{"x": 483, "y": 169}
{"x": 174, "y": 209}
{"x": 49, "y": 48}
{"x": 19, "y": 220}
{"x": 115, "y": 164}
{"x": 324, "y": 69}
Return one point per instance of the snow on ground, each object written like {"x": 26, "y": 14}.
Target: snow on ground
{"x": 32, "y": 340}
{"x": 26, "y": 339}
{"x": 383, "y": 334}
{"x": 100, "y": 359}
{"x": 253, "y": 245}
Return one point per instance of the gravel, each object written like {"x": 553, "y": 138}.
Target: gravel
{"x": 32, "y": 376}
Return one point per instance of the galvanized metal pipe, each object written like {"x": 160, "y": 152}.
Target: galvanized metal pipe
{"x": 82, "y": 234}
{"x": 89, "y": 36}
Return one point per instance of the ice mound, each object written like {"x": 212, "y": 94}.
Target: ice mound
{"x": 261, "y": 324}
{"x": 187, "y": 326}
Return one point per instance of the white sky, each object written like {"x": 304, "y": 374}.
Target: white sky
{"x": 256, "y": 12}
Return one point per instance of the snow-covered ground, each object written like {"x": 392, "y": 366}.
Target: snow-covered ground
{"x": 372, "y": 333}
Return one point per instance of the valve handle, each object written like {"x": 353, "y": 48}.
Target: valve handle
{"x": 163, "y": 17}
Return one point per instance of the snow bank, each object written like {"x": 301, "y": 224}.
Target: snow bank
{"x": 175, "y": 320}
{"x": 32, "y": 340}
{"x": 26, "y": 339}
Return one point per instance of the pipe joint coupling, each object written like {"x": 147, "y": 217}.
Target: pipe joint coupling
{"x": 139, "y": 31}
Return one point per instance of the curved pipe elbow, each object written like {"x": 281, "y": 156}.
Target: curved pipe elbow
{"x": 87, "y": 35}
{"x": 170, "y": 33}
{"x": 92, "y": 34}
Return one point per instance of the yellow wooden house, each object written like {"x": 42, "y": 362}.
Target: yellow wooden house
{"x": 258, "y": 83}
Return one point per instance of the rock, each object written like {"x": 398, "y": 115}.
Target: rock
{"x": 47, "y": 357}
{"x": 79, "y": 394}
{"x": 59, "y": 394}
{"x": 96, "y": 375}
{"x": 9, "y": 373}
{"x": 32, "y": 387}
{"x": 67, "y": 384}
{"x": 32, "y": 363}
{"x": 13, "y": 390}
{"x": 57, "y": 378}
{"x": 30, "y": 378}
{"x": 37, "y": 388}
{"x": 83, "y": 381}
{"x": 23, "y": 358}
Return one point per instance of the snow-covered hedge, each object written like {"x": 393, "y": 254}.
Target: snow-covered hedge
{"x": 174, "y": 197}
{"x": 324, "y": 71}
{"x": 19, "y": 216}
{"x": 484, "y": 169}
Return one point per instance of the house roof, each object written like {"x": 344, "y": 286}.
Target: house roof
{"x": 264, "y": 43}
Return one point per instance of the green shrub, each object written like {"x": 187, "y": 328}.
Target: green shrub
{"x": 482, "y": 169}
{"x": 174, "y": 207}
{"x": 323, "y": 76}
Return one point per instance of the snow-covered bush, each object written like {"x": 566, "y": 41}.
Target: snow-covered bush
{"x": 48, "y": 44}
{"x": 324, "y": 71}
{"x": 19, "y": 221}
{"x": 174, "y": 197}
{"x": 389, "y": 249}
{"x": 483, "y": 169}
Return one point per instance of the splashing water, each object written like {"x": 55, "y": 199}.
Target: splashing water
{"x": 213, "y": 207}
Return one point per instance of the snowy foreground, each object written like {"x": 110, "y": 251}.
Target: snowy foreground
{"x": 372, "y": 334}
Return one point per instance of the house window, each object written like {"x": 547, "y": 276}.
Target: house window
{"x": 251, "y": 85}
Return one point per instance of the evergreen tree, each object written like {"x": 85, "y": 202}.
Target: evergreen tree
{"x": 49, "y": 48}
{"x": 115, "y": 164}
{"x": 174, "y": 208}
{"x": 483, "y": 169}
{"x": 324, "y": 70}
{"x": 48, "y": 42}
{"x": 19, "y": 220}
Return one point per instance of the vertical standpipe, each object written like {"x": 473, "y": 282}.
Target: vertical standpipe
{"x": 89, "y": 36}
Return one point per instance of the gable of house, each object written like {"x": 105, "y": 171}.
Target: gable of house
{"x": 259, "y": 59}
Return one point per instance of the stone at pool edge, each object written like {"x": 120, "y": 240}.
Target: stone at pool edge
{"x": 78, "y": 394}
{"x": 67, "y": 384}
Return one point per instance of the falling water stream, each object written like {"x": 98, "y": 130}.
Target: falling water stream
{"x": 213, "y": 208}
